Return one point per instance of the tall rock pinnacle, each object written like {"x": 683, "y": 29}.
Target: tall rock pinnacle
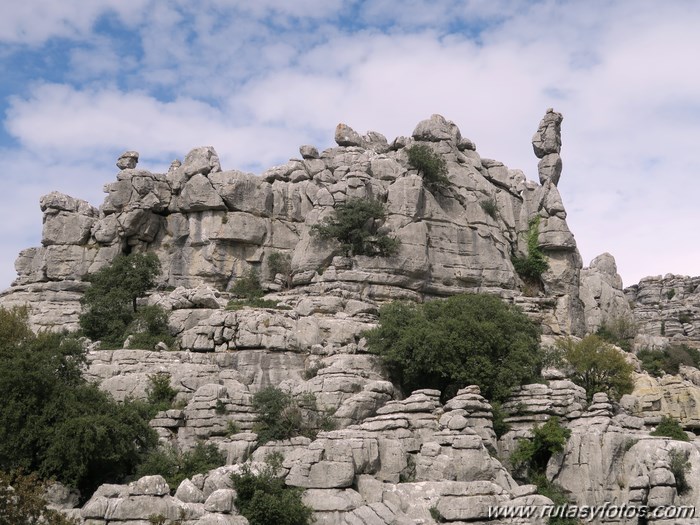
{"x": 547, "y": 145}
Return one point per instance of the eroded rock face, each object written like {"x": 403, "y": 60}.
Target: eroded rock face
{"x": 601, "y": 292}
{"x": 666, "y": 310}
{"x": 209, "y": 226}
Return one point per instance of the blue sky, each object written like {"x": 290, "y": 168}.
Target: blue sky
{"x": 84, "y": 81}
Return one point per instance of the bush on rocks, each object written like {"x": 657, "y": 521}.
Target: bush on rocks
{"x": 470, "y": 339}
{"x": 355, "y": 225}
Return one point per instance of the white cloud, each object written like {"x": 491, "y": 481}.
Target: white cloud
{"x": 622, "y": 74}
{"x": 35, "y": 21}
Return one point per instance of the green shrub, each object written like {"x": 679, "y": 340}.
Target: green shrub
{"x": 435, "y": 514}
{"x": 534, "y": 264}
{"x": 668, "y": 360}
{"x": 679, "y": 466}
{"x": 149, "y": 327}
{"x": 22, "y": 502}
{"x": 160, "y": 394}
{"x": 247, "y": 286}
{"x": 597, "y": 366}
{"x": 534, "y": 453}
{"x": 280, "y": 416}
{"x": 109, "y": 305}
{"x": 265, "y": 499}
{"x": 489, "y": 206}
{"x": 312, "y": 371}
{"x": 671, "y": 294}
{"x": 355, "y": 225}
{"x": 177, "y": 466}
{"x": 685, "y": 318}
{"x": 469, "y": 339}
{"x": 56, "y": 424}
{"x": 500, "y": 426}
{"x": 619, "y": 331}
{"x": 669, "y": 427}
{"x": 429, "y": 164}
{"x": 220, "y": 407}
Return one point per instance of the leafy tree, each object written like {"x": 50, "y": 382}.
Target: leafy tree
{"x": 470, "y": 339}
{"x": 56, "y": 424}
{"x": 597, "y": 366}
{"x": 149, "y": 327}
{"x": 265, "y": 499}
{"x": 176, "y": 466}
{"x": 22, "y": 502}
{"x": 355, "y": 225}
{"x": 109, "y": 305}
{"x": 669, "y": 427}
{"x": 534, "y": 264}
{"x": 429, "y": 164}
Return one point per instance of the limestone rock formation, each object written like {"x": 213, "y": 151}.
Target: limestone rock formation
{"x": 601, "y": 292}
{"x": 666, "y": 310}
{"x": 209, "y": 226}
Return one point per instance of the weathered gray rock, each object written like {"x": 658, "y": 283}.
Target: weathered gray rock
{"x": 128, "y": 160}
{"x": 547, "y": 139}
{"x": 346, "y": 136}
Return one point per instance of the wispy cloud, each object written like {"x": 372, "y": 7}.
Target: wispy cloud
{"x": 257, "y": 79}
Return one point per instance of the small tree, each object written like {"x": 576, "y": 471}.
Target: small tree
{"x": 355, "y": 225}
{"x": 279, "y": 416}
{"x": 176, "y": 466}
{"x": 429, "y": 164}
{"x": 470, "y": 339}
{"x": 597, "y": 366}
{"x": 109, "y": 305}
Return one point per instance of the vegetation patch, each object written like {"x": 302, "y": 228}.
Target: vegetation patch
{"x": 22, "y": 502}
{"x": 56, "y": 424}
{"x": 679, "y": 466}
{"x": 110, "y": 313}
{"x": 619, "y": 331}
{"x": 355, "y": 225}
{"x": 248, "y": 286}
{"x": 281, "y": 416}
{"x": 265, "y": 499}
{"x": 470, "y": 339}
{"x": 176, "y": 466}
{"x": 160, "y": 394}
{"x": 280, "y": 263}
{"x": 597, "y": 366}
{"x": 489, "y": 206}
{"x": 670, "y": 428}
{"x": 668, "y": 360}
{"x": 534, "y": 264}
{"x": 430, "y": 165}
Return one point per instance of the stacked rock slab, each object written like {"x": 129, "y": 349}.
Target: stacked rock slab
{"x": 603, "y": 299}
{"x": 208, "y": 226}
{"x": 666, "y": 310}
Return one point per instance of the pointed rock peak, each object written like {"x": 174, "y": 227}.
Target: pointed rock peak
{"x": 547, "y": 138}
{"x": 437, "y": 128}
{"x": 128, "y": 160}
{"x": 346, "y": 136}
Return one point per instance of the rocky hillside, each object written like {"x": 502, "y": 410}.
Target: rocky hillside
{"x": 394, "y": 457}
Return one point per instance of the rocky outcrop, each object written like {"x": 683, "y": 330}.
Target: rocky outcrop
{"x": 603, "y": 299}
{"x": 666, "y": 310}
{"x": 209, "y": 226}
